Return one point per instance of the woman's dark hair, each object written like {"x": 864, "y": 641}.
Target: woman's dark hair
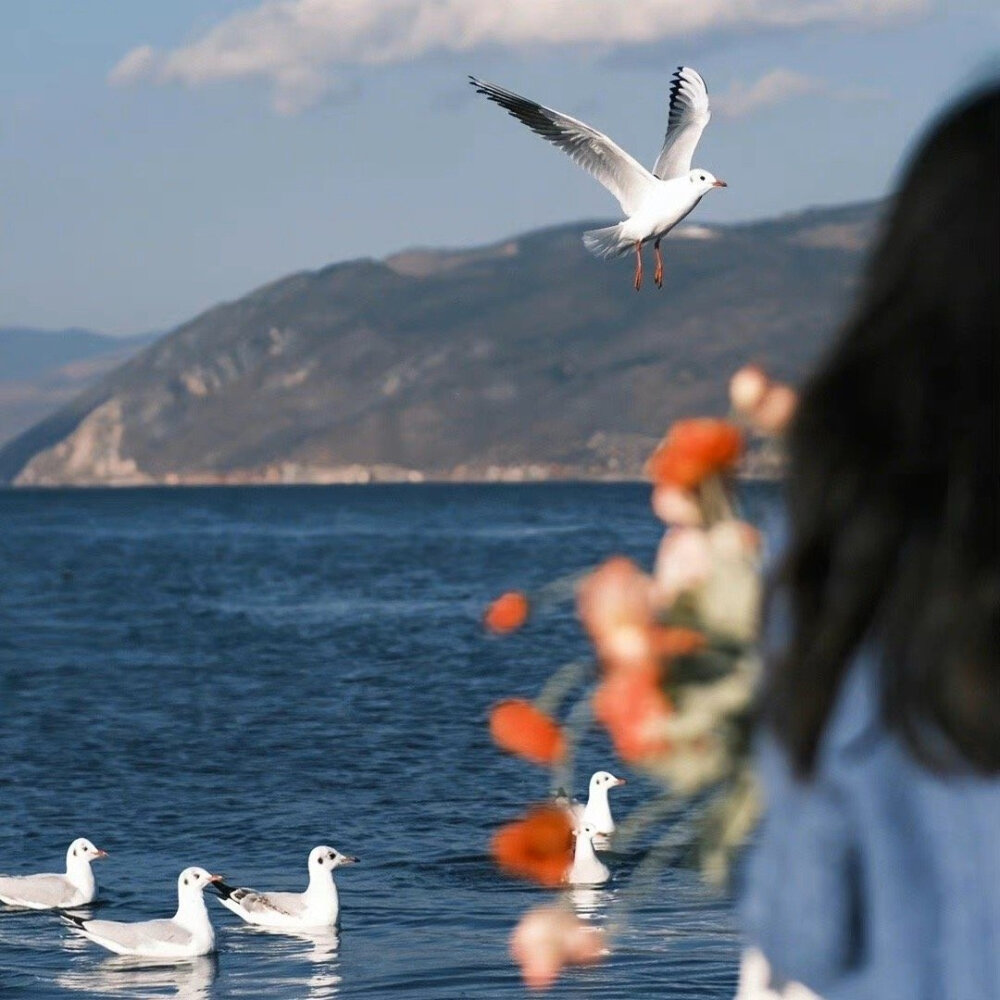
{"x": 894, "y": 474}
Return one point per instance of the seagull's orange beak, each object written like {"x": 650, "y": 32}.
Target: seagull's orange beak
{"x": 621, "y": 781}
{"x": 720, "y": 184}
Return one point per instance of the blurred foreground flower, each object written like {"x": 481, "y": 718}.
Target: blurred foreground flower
{"x": 767, "y": 406}
{"x": 615, "y": 605}
{"x": 507, "y": 613}
{"x": 550, "y": 937}
{"x": 632, "y": 707}
{"x": 693, "y": 450}
{"x": 676, "y": 506}
{"x": 538, "y": 847}
{"x": 747, "y": 388}
{"x": 519, "y": 728}
{"x": 713, "y": 577}
{"x": 676, "y": 676}
{"x": 775, "y": 410}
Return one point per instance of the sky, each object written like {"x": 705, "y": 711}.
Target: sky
{"x": 159, "y": 157}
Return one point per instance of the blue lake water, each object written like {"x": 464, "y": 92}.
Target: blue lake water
{"x": 229, "y": 677}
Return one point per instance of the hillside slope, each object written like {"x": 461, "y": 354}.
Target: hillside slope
{"x": 523, "y": 359}
{"x": 42, "y": 370}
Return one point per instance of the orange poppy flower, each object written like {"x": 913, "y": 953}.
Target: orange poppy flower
{"x": 518, "y": 727}
{"x": 538, "y": 847}
{"x": 629, "y": 704}
{"x": 507, "y": 613}
{"x": 693, "y": 450}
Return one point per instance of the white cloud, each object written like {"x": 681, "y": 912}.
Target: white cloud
{"x": 134, "y": 65}
{"x": 298, "y": 45}
{"x": 775, "y": 87}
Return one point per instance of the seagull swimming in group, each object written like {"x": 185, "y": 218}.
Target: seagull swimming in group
{"x": 597, "y": 811}
{"x": 53, "y": 891}
{"x": 318, "y": 906}
{"x": 187, "y": 934}
{"x": 587, "y": 868}
{"x": 653, "y": 202}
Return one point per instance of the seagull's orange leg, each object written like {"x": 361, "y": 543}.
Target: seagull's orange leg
{"x": 638, "y": 265}
{"x": 658, "y": 274}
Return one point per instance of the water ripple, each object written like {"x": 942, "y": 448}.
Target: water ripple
{"x": 229, "y": 677}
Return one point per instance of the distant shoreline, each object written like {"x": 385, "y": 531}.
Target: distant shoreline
{"x": 375, "y": 483}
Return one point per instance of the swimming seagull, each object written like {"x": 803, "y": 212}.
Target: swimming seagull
{"x": 318, "y": 906}
{"x": 653, "y": 202}
{"x": 597, "y": 811}
{"x": 587, "y": 868}
{"x": 54, "y": 892}
{"x": 187, "y": 934}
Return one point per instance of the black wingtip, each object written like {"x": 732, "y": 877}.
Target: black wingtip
{"x": 223, "y": 890}
{"x": 72, "y": 918}
{"x": 678, "y": 78}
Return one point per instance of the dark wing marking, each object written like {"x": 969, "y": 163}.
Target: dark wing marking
{"x": 686, "y": 120}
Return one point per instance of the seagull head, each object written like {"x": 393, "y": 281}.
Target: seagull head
{"x": 604, "y": 779}
{"x": 195, "y": 880}
{"x": 704, "y": 181}
{"x": 83, "y": 850}
{"x": 586, "y": 831}
{"x": 325, "y": 858}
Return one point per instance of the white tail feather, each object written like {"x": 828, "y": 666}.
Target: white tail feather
{"x": 606, "y": 242}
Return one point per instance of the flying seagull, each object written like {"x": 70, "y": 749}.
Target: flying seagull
{"x": 653, "y": 202}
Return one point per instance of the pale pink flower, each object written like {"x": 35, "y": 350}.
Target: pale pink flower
{"x": 673, "y": 505}
{"x": 775, "y": 410}
{"x": 614, "y": 595}
{"x": 550, "y": 937}
{"x": 747, "y": 388}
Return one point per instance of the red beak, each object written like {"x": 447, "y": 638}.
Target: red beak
{"x": 621, "y": 781}
{"x": 101, "y": 854}
{"x": 720, "y": 184}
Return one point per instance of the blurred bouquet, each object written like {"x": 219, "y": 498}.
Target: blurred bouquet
{"x": 676, "y": 672}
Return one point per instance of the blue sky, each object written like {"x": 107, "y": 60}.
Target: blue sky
{"x": 158, "y": 157}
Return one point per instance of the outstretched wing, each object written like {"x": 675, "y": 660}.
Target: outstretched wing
{"x": 686, "y": 120}
{"x": 626, "y": 178}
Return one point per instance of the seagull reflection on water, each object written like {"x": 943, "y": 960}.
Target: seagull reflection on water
{"x": 588, "y": 901}
{"x": 321, "y": 981}
{"x": 132, "y": 977}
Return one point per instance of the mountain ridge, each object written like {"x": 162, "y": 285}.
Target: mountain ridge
{"x": 524, "y": 358}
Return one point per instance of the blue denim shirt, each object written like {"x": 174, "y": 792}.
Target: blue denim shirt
{"x": 876, "y": 878}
